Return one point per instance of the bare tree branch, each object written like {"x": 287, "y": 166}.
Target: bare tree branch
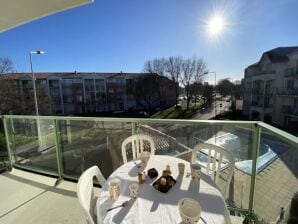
{"x": 174, "y": 69}
{"x": 157, "y": 65}
{"x": 6, "y": 65}
{"x": 180, "y": 70}
{"x": 193, "y": 71}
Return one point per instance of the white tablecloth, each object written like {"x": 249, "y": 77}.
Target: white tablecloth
{"x": 152, "y": 206}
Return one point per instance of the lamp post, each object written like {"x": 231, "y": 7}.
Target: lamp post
{"x": 205, "y": 73}
{"x": 33, "y": 80}
{"x": 35, "y": 95}
{"x": 215, "y": 135}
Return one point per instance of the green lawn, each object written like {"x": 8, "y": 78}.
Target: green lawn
{"x": 172, "y": 113}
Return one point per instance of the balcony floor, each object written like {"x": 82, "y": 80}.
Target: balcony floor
{"x": 31, "y": 198}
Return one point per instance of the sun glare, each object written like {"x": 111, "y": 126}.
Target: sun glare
{"x": 215, "y": 25}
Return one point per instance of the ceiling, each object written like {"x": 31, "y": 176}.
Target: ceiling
{"x": 14, "y": 13}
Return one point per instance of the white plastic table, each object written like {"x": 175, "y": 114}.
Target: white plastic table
{"x": 152, "y": 206}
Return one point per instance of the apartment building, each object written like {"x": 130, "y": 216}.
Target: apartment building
{"x": 91, "y": 93}
{"x": 271, "y": 88}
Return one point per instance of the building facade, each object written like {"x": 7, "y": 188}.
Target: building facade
{"x": 271, "y": 88}
{"x": 91, "y": 93}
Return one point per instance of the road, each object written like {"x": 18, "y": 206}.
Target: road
{"x": 209, "y": 113}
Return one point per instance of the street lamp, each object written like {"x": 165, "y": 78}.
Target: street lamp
{"x": 205, "y": 73}
{"x": 35, "y": 95}
{"x": 33, "y": 80}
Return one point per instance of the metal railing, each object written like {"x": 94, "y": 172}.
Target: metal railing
{"x": 289, "y": 92}
{"x": 289, "y": 110}
{"x": 69, "y": 145}
{"x": 256, "y": 72}
{"x": 291, "y": 72}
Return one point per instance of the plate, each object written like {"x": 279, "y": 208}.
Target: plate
{"x": 170, "y": 182}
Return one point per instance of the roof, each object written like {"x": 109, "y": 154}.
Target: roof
{"x": 25, "y": 75}
{"x": 70, "y": 75}
{"x": 279, "y": 54}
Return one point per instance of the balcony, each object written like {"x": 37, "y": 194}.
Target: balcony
{"x": 261, "y": 105}
{"x": 257, "y": 91}
{"x": 289, "y": 110}
{"x": 258, "y": 72}
{"x": 289, "y": 92}
{"x": 291, "y": 73}
{"x": 256, "y": 104}
{"x": 265, "y": 157}
{"x": 270, "y": 91}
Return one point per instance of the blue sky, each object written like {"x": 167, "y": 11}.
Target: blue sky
{"x": 115, "y": 35}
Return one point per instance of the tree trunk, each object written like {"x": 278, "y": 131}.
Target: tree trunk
{"x": 187, "y": 95}
{"x": 176, "y": 93}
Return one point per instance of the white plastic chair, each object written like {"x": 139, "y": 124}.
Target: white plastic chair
{"x": 137, "y": 145}
{"x": 86, "y": 194}
{"x": 218, "y": 159}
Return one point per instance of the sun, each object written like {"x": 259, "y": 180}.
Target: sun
{"x": 215, "y": 25}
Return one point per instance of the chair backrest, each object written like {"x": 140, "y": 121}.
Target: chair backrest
{"x": 85, "y": 192}
{"x": 138, "y": 143}
{"x": 218, "y": 158}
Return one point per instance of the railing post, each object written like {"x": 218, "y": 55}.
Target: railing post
{"x": 134, "y": 144}
{"x": 133, "y": 128}
{"x": 10, "y": 157}
{"x": 255, "y": 153}
{"x": 58, "y": 151}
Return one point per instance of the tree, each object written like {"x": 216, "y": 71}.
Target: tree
{"x": 16, "y": 100}
{"x": 238, "y": 91}
{"x": 147, "y": 91}
{"x": 225, "y": 87}
{"x": 6, "y": 65}
{"x": 153, "y": 91}
{"x": 207, "y": 93}
{"x": 157, "y": 66}
{"x": 173, "y": 69}
{"x": 7, "y": 94}
{"x": 193, "y": 70}
{"x": 196, "y": 90}
{"x": 168, "y": 67}
{"x": 183, "y": 71}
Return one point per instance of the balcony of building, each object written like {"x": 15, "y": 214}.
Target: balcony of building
{"x": 270, "y": 91}
{"x": 260, "y": 72}
{"x": 257, "y": 104}
{"x": 289, "y": 110}
{"x": 260, "y": 105}
{"x": 258, "y": 91}
{"x": 288, "y": 92}
{"x": 291, "y": 73}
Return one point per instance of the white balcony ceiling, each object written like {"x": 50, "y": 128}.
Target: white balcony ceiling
{"x": 17, "y": 12}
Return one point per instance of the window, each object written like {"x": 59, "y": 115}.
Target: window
{"x": 100, "y": 85}
{"x": 290, "y": 84}
{"x": 121, "y": 106}
{"x": 296, "y": 103}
